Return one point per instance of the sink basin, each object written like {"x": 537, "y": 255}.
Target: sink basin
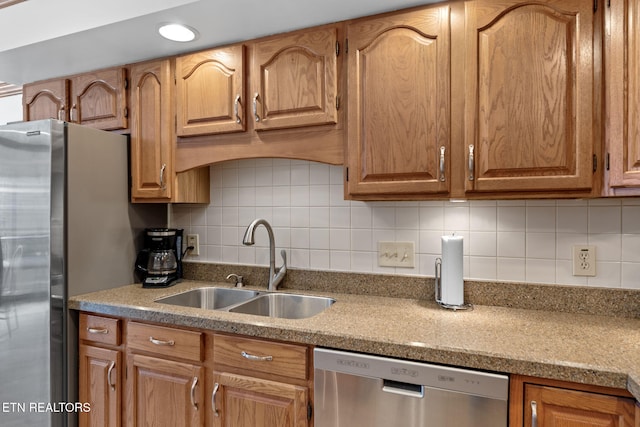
{"x": 287, "y": 306}
{"x": 209, "y": 297}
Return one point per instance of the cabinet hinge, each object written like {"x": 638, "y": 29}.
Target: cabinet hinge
{"x": 309, "y": 411}
{"x": 346, "y": 45}
{"x": 606, "y": 161}
{"x": 595, "y": 163}
{"x": 347, "y": 174}
{"x": 126, "y": 112}
{"x": 595, "y": 5}
{"x": 609, "y": 3}
{"x": 337, "y": 102}
{"x": 337, "y": 48}
{"x": 126, "y": 84}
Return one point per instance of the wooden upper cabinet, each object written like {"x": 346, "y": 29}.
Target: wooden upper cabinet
{"x": 399, "y": 103}
{"x": 46, "y": 100}
{"x": 294, "y": 80}
{"x": 152, "y": 137}
{"x": 622, "y": 67}
{"x": 529, "y": 95}
{"x": 210, "y": 92}
{"x": 99, "y": 99}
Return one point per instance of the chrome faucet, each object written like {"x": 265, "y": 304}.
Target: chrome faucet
{"x": 248, "y": 239}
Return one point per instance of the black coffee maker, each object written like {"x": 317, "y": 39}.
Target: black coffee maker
{"x": 159, "y": 263}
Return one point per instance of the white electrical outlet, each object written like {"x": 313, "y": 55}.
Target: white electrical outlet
{"x": 193, "y": 240}
{"x": 584, "y": 260}
{"x": 396, "y": 254}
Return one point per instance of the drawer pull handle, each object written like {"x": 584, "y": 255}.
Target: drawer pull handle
{"x": 442, "y": 164}
{"x": 256, "y": 358}
{"x": 163, "y": 186}
{"x": 534, "y": 414}
{"x": 471, "y": 163}
{"x": 255, "y": 106}
{"x": 236, "y": 109}
{"x": 213, "y": 399}
{"x": 98, "y": 330}
{"x": 161, "y": 342}
{"x": 193, "y": 393}
{"x": 109, "y": 372}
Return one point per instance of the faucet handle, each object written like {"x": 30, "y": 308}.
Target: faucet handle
{"x": 238, "y": 279}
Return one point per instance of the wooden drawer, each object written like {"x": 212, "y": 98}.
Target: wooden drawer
{"x": 105, "y": 330}
{"x": 287, "y": 360}
{"x": 165, "y": 341}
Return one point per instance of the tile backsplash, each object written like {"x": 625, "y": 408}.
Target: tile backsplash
{"x": 506, "y": 240}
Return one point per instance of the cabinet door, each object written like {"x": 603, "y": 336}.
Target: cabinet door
{"x": 569, "y": 408}
{"x": 99, "y": 99}
{"x": 164, "y": 393}
{"x": 100, "y": 386}
{"x": 210, "y": 93}
{"x": 399, "y": 103}
{"x": 241, "y": 401}
{"x": 622, "y": 59}
{"x": 294, "y": 80}
{"x": 152, "y": 142}
{"x": 46, "y": 100}
{"x": 529, "y": 88}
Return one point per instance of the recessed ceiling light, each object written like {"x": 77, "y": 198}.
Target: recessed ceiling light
{"x": 177, "y": 32}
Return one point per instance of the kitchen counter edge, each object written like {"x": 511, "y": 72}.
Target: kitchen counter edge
{"x": 587, "y": 349}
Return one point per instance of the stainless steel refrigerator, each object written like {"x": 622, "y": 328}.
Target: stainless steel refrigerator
{"x": 66, "y": 228}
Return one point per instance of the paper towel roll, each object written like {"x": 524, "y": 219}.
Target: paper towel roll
{"x": 452, "y": 283}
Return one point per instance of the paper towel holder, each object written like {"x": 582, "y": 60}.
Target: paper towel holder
{"x": 438, "y": 291}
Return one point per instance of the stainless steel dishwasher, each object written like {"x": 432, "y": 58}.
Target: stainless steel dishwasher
{"x": 356, "y": 390}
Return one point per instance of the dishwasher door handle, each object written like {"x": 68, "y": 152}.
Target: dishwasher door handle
{"x": 404, "y": 389}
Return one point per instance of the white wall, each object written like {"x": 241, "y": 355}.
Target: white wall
{"x": 10, "y": 109}
{"x": 528, "y": 241}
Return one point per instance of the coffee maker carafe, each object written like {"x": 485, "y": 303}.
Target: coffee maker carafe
{"x": 159, "y": 263}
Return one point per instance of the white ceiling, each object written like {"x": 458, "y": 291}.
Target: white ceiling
{"x": 41, "y": 39}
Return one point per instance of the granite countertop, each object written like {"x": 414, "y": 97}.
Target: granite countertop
{"x": 584, "y": 348}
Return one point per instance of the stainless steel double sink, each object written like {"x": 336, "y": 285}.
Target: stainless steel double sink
{"x": 236, "y": 300}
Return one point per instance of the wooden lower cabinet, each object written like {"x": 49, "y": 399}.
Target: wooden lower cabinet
{"x": 242, "y": 401}
{"x": 547, "y": 403}
{"x": 101, "y": 373}
{"x": 100, "y": 386}
{"x": 164, "y": 392}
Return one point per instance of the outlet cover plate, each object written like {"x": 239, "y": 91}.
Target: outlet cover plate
{"x": 584, "y": 260}
{"x": 396, "y": 254}
{"x": 193, "y": 240}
